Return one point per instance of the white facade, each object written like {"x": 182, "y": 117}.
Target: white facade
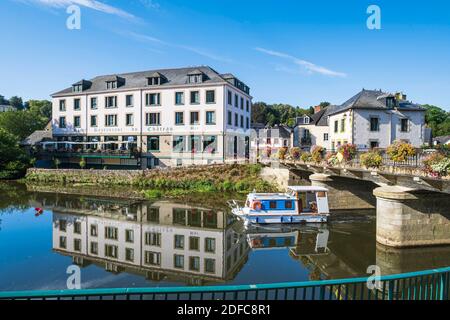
{"x": 213, "y": 126}
{"x": 308, "y": 135}
{"x": 357, "y": 128}
{"x": 370, "y": 119}
{"x": 5, "y": 108}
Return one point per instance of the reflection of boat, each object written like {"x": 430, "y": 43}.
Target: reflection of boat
{"x": 300, "y": 241}
{"x": 299, "y": 204}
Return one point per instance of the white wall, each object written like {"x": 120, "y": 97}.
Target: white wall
{"x": 389, "y": 127}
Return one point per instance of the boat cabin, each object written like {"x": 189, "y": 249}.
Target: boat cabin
{"x": 297, "y": 200}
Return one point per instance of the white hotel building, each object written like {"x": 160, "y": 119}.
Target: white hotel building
{"x": 173, "y": 116}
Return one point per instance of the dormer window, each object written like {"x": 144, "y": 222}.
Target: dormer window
{"x": 81, "y": 86}
{"x": 155, "y": 79}
{"x": 306, "y": 120}
{"x": 114, "y": 82}
{"x": 390, "y": 102}
{"x": 111, "y": 84}
{"x": 195, "y": 76}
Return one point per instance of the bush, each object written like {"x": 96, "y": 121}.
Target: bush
{"x": 442, "y": 167}
{"x": 437, "y": 164}
{"x": 399, "y": 151}
{"x": 332, "y": 158}
{"x": 281, "y": 154}
{"x": 82, "y": 163}
{"x": 306, "y": 157}
{"x": 348, "y": 151}
{"x": 254, "y": 169}
{"x": 295, "y": 153}
{"x": 371, "y": 159}
{"x": 317, "y": 154}
{"x": 56, "y": 162}
{"x": 152, "y": 194}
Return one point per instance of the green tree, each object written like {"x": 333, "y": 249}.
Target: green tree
{"x": 13, "y": 159}
{"x": 3, "y": 101}
{"x": 438, "y": 120}
{"x": 324, "y": 104}
{"x": 283, "y": 114}
{"x": 41, "y": 107}
{"x": 22, "y": 123}
{"x": 16, "y": 102}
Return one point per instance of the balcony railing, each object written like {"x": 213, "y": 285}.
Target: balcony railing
{"x": 305, "y": 141}
{"x": 90, "y": 153}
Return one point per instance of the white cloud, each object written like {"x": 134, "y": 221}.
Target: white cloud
{"x": 309, "y": 66}
{"x": 150, "y": 4}
{"x": 199, "y": 51}
{"x": 91, "y": 4}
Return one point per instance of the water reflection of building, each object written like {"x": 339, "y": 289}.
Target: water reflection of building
{"x": 160, "y": 240}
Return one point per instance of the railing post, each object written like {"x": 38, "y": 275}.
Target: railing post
{"x": 322, "y": 293}
{"x": 442, "y": 286}
{"x": 390, "y": 290}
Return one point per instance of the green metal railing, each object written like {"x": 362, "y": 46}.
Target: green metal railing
{"x": 421, "y": 285}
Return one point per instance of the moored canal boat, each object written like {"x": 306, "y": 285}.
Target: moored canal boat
{"x": 300, "y": 204}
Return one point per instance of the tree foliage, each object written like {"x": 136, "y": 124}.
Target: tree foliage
{"x": 14, "y": 127}
{"x": 272, "y": 114}
{"x": 13, "y": 159}
{"x": 41, "y": 107}
{"x": 22, "y": 123}
{"x": 3, "y": 101}
{"x": 438, "y": 120}
{"x": 16, "y": 102}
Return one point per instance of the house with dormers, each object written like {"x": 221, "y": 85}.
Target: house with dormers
{"x": 369, "y": 119}
{"x": 172, "y": 117}
{"x": 375, "y": 119}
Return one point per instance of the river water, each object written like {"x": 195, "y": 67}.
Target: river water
{"x": 133, "y": 243}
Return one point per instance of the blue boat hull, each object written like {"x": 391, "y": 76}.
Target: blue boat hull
{"x": 273, "y": 218}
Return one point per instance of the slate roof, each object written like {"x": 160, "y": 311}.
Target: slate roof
{"x": 320, "y": 118}
{"x": 276, "y": 131}
{"x": 442, "y": 139}
{"x": 36, "y": 137}
{"x": 136, "y": 80}
{"x": 373, "y": 99}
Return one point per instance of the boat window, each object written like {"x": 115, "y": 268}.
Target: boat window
{"x": 288, "y": 204}
{"x": 272, "y": 204}
{"x": 321, "y": 194}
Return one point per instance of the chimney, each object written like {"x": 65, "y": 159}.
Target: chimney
{"x": 400, "y": 96}
{"x": 317, "y": 109}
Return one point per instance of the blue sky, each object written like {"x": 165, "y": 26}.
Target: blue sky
{"x": 296, "y": 52}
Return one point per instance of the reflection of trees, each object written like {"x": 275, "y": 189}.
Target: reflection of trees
{"x": 14, "y": 196}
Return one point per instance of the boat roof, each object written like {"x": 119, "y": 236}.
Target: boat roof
{"x": 306, "y": 188}
{"x": 270, "y": 196}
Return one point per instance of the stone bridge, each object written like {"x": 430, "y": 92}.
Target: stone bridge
{"x": 412, "y": 209}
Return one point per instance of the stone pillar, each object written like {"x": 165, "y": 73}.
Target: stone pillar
{"x": 320, "y": 180}
{"x": 344, "y": 193}
{"x": 407, "y": 218}
{"x": 277, "y": 176}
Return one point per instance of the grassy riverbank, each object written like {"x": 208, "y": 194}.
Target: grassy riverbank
{"x": 170, "y": 182}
